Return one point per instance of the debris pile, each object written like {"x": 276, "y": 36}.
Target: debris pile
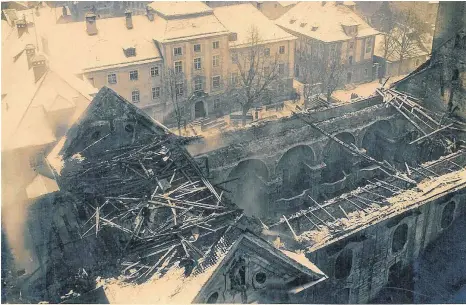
{"x": 157, "y": 198}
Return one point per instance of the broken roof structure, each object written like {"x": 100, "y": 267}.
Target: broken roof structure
{"x": 133, "y": 177}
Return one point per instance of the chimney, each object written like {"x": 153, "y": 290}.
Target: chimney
{"x": 39, "y": 66}
{"x": 149, "y": 13}
{"x": 22, "y": 26}
{"x": 129, "y": 19}
{"x": 91, "y": 26}
{"x": 30, "y": 53}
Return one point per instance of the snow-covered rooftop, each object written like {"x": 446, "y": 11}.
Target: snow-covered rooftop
{"x": 180, "y": 8}
{"x": 242, "y": 18}
{"x": 323, "y": 22}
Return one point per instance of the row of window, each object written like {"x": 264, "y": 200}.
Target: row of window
{"x": 136, "y": 97}
{"x": 133, "y": 75}
{"x": 178, "y": 51}
{"x": 156, "y": 91}
{"x": 198, "y": 63}
{"x": 281, "y": 50}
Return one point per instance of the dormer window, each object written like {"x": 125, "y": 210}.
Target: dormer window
{"x": 314, "y": 28}
{"x": 130, "y": 52}
{"x": 292, "y": 21}
{"x": 303, "y": 24}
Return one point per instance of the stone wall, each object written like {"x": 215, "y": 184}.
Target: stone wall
{"x": 376, "y": 249}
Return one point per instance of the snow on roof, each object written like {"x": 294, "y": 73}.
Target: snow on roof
{"x": 327, "y": 21}
{"x": 242, "y": 18}
{"x": 425, "y": 191}
{"x": 180, "y": 8}
{"x": 287, "y": 3}
{"x": 415, "y": 49}
{"x": 70, "y": 46}
{"x": 201, "y": 26}
{"x": 40, "y": 186}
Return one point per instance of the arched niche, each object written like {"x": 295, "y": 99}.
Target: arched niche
{"x": 343, "y": 264}
{"x": 378, "y": 139}
{"x": 249, "y": 189}
{"x": 294, "y": 168}
{"x": 337, "y": 158}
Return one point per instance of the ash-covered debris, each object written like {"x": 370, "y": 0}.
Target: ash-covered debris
{"x": 148, "y": 190}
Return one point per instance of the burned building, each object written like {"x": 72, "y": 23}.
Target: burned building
{"x": 140, "y": 210}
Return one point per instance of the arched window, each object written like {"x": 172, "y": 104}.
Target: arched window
{"x": 447, "y": 214}
{"x": 343, "y": 264}
{"x": 400, "y": 237}
{"x": 212, "y": 298}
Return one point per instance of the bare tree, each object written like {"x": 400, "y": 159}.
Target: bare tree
{"x": 173, "y": 91}
{"x": 320, "y": 70}
{"x": 258, "y": 72}
{"x": 403, "y": 33}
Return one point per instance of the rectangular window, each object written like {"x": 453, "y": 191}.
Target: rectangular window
{"x": 112, "y": 78}
{"x": 154, "y": 71}
{"x": 197, "y": 48}
{"x": 281, "y": 50}
{"x": 216, "y": 81}
{"x": 281, "y": 69}
{"x": 177, "y": 51}
{"x": 155, "y": 92}
{"x": 198, "y": 84}
{"x": 215, "y": 60}
{"x": 178, "y": 67}
{"x": 133, "y": 75}
{"x": 267, "y": 51}
{"x": 179, "y": 89}
{"x": 215, "y": 45}
{"x": 197, "y": 64}
{"x": 216, "y": 103}
{"x": 234, "y": 79}
{"x": 351, "y": 45}
{"x": 350, "y": 60}
{"x": 135, "y": 96}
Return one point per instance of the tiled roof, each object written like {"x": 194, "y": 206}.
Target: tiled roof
{"x": 323, "y": 22}
{"x": 242, "y": 18}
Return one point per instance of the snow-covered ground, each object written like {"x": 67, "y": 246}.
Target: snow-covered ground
{"x": 363, "y": 90}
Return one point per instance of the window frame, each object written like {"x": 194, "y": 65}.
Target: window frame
{"x": 215, "y": 44}
{"x": 267, "y": 52}
{"x": 369, "y": 43}
{"x": 234, "y": 76}
{"x": 197, "y": 45}
{"x": 175, "y": 51}
{"x": 280, "y": 70}
{"x": 213, "y": 82}
{"x": 198, "y": 81}
{"x": 155, "y": 93}
{"x": 134, "y": 72}
{"x": 134, "y": 93}
{"x": 215, "y": 60}
{"x": 156, "y": 71}
{"x": 181, "y": 91}
{"x": 108, "y": 78}
{"x": 180, "y": 66}
{"x": 280, "y": 48}
{"x": 197, "y": 65}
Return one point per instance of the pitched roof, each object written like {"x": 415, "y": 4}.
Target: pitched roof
{"x": 323, "y": 22}
{"x": 71, "y": 46}
{"x": 242, "y": 18}
{"x": 171, "y": 9}
{"x": 26, "y": 103}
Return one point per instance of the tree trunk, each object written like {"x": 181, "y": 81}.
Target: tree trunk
{"x": 244, "y": 112}
{"x": 179, "y": 126}
{"x": 329, "y": 95}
